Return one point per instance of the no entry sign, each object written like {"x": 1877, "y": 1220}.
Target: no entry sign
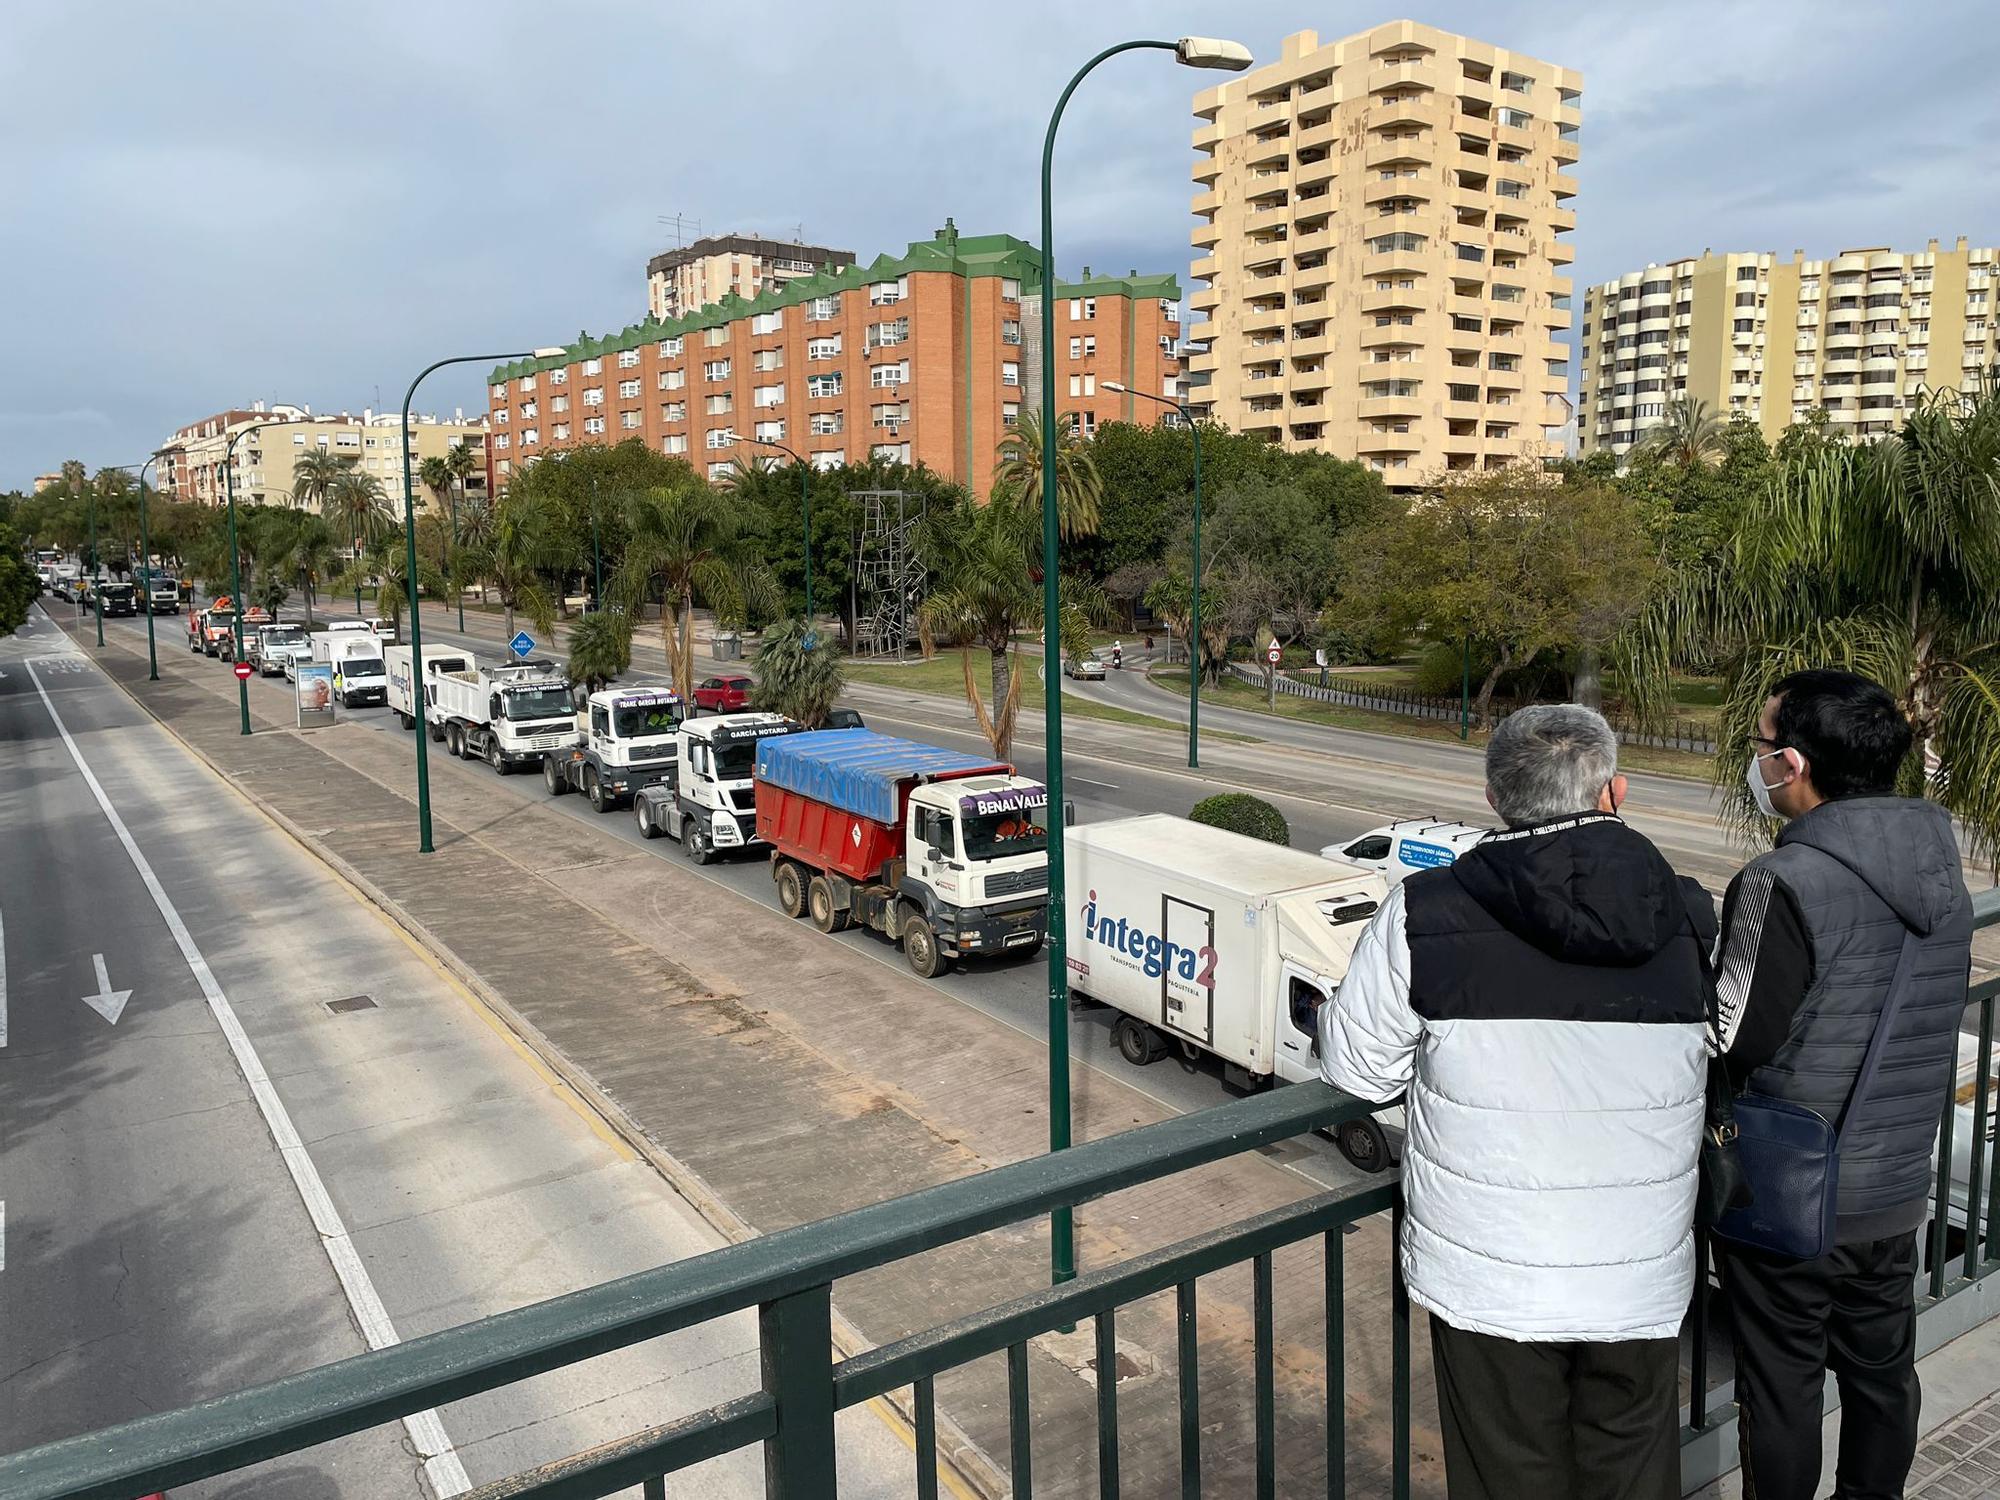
{"x": 243, "y": 671}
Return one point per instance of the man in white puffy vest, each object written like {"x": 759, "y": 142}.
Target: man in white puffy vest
{"x": 1541, "y": 1004}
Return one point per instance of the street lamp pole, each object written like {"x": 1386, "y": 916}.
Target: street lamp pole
{"x": 1194, "y": 601}
{"x": 1198, "y": 52}
{"x": 96, "y": 567}
{"x": 146, "y": 562}
{"x": 805, "y": 507}
{"x": 596, "y": 552}
{"x": 236, "y": 561}
{"x": 457, "y": 588}
{"x": 1465, "y": 658}
{"x": 410, "y": 579}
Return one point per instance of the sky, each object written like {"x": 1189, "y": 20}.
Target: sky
{"x": 210, "y": 204}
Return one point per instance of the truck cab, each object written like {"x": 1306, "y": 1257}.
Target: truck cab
{"x": 117, "y": 598}
{"x": 630, "y": 741}
{"x": 162, "y": 594}
{"x": 274, "y": 645}
{"x": 709, "y": 802}
{"x": 977, "y": 862}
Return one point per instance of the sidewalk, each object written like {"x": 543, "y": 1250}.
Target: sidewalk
{"x": 778, "y": 1077}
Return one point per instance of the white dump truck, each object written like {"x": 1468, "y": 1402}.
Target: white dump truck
{"x": 508, "y": 716}
{"x": 1209, "y": 942}
{"x": 709, "y": 803}
{"x": 404, "y": 700}
{"x": 627, "y": 741}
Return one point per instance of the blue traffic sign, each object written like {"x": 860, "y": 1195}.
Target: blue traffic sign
{"x": 522, "y": 643}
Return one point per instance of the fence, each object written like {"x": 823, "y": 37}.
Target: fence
{"x": 788, "y": 1277}
{"x": 1388, "y": 698}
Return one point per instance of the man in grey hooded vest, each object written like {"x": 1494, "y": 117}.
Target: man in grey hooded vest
{"x": 1811, "y": 935}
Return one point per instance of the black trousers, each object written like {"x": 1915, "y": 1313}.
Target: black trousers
{"x": 1853, "y": 1312}
{"x": 1579, "y": 1421}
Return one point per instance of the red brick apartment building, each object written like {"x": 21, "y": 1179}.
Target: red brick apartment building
{"x": 928, "y": 358}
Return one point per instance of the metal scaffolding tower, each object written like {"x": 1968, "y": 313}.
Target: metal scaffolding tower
{"x": 890, "y": 572}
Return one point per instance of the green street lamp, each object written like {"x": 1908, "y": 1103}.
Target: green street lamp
{"x": 1194, "y": 52}
{"x": 96, "y": 567}
{"x": 1194, "y": 602}
{"x": 146, "y": 561}
{"x": 596, "y": 552}
{"x": 235, "y": 560}
{"x": 805, "y": 507}
{"x": 410, "y": 573}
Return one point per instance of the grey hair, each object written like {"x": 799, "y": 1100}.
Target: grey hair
{"x": 1549, "y": 761}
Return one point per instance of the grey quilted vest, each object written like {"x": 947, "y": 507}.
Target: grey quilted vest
{"x": 1863, "y": 869}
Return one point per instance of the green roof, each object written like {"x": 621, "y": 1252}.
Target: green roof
{"x": 975, "y": 256}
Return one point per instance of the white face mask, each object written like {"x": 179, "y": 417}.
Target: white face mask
{"x": 1760, "y": 793}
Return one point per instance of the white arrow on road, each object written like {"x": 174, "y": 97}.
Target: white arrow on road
{"x": 107, "y": 1002}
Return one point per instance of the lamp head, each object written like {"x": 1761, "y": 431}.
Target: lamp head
{"x": 1212, "y": 52}
{"x": 548, "y": 353}
{"x": 1113, "y": 385}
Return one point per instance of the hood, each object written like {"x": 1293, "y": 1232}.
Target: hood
{"x": 1585, "y": 890}
{"x": 1901, "y": 848}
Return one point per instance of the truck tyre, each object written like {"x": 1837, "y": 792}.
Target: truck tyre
{"x": 454, "y": 743}
{"x": 695, "y": 841}
{"x": 494, "y": 758}
{"x": 1138, "y": 1043}
{"x": 920, "y": 947}
{"x": 434, "y": 730}
{"x": 643, "y": 816}
{"x": 791, "y": 892}
{"x": 593, "y": 788}
{"x": 554, "y": 780}
{"x": 819, "y": 906}
{"x": 1363, "y": 1144}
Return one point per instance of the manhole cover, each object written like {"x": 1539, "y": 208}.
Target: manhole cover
{"x": 351, "y": 1002}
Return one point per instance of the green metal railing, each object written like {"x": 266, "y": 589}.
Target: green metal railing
{"x": 788, "y": 1276}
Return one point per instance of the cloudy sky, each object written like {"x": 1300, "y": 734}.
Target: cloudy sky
{"x": 208, "y": 204}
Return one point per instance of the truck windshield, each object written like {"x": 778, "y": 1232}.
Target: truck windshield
{"x": 642, "y": 723}
{"x": 289, "y": 637}
{"x": 361, "y": 666}
{"x": 552, "y": 702}
{"x": 1004, "y": 835}
{"x": 735, "y": 762}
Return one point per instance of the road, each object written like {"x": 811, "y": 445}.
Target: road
{"x": 160, "y": 1248}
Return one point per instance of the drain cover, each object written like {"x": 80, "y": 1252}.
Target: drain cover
{"x": 351, "y": 1002}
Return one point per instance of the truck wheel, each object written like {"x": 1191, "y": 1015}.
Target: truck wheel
{"x": 819, "y": 905}
{"x": 920, "y": 947}
{"x": 1363, "y": 1143}
{"x": 593, "y": 788}
{"x": 791, "y": 894}
{"x": 643, "y": 816}
{"x": 696, "y": 842}
{"x": 553, "y": 778}
{"x": 454, "y": 745}
{"x": 494, "y": 758}
{"x": 1137, "y": 1042}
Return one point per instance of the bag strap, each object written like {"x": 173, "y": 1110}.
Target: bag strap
{"x": 1877, "y": 1043}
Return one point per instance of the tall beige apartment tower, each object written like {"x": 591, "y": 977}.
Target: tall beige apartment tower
{"x": 1383, "y": 228}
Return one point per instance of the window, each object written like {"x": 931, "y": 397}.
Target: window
{"x": 500, "y": 391}
{"x": 1083, "y": 385}
{"x": 593, "y": 395}
{"x": 628, "y": 390}
{"x": 720, "y": 471}
{"x": 1076, "y": 348}
{"x": 823, "y": 348}
{"x": 719, "y": 437}
{"x": 501, "y": 441}
{"x": 1503, "y": 361}
{"x": 819, "y": 387}
{"x": 715, "y": 369}
{"x": 767, "y": 395}
{"x": 561, "y": 431}
{"x": 670, "y": 348}
{"x": 674, "y": 442}
{"x": 1749, "y": 273}
{"x": 1010, "y": 330}
{"x": 826, "y": 423}
{"x": 1746, "y": 325}
{"x": 887, "y": 375}
{"x": 1010, "y": 372}
{"x": 1561, "y": 366}
{"x": 1010, "y": 413}
{"x": 767, "y": 322}
{"x": 771, "y": 432}
{"x": 890, "y": 414}
{"x": 1082, "y": 309}
{"x": 1306, "y": 998}
{"x": 895, "y": 453}
{"x": 829, "y": 459}
{"x": 593, "y": 367}
{"x": 628, "y": 359}
{"x": 823, "y": 309}
{"x": 896, "y": 331}
{"x": 529, "y": 410}
{"x": 628, "y": 420}
{"x": 714, "y": 338}
{"x": 1090, "y": 346}
{"x": 1010, "y": 288}
{"x": 558, "y": 403}
{"x": 715, "y": 406}
{"x": 1462, "y": 392}
{"x": 558, "y": 377}
{"x": 673, "y": 411}
{"x": 1518, "y": 119}
{"x": 881, "y": 293}
{"x": 1383, "y": 244}
{"x": 673, "y": 380}
{"x": 593, "y": 426}
{"x": 768, "y": 359}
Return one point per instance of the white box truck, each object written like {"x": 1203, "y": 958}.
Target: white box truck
{"x": 509, "y": 716}
{"x": 1208, "y": 941}
{"x": 356, "y": 657}
{"x": 403, "y": 696}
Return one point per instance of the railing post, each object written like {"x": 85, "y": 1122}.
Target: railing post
{"x": 796, "y": 1338}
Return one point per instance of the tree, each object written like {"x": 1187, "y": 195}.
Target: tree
{"x": 434, "y": 473}
{"x": 689, "y": 544}
{"x": 307, "y": 553}
{"x": 1272, "y": 537}
{"x": 386, "y": 563}
{"x": 518, "y": 548}
{"x": 314, "y": 474}
{"x": 1688, "y": 434}
{"x": 1513, "y": 560}
{"x": 1239, "y": 812}
{"x": 360, "y": 505}
{"x": 600, "y": 649}
{"x": 1079, "y": 491}
{"x": 795, "y": 680}
{"x": 1884, "y": 559}
{"x": 18, "y": 583}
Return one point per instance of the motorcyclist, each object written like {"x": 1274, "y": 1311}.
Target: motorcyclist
{"x": 1118, "y": 655}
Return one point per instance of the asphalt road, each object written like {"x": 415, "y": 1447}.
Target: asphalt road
{"x": 158, "y": 1246}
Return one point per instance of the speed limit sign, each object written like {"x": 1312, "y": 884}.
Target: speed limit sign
{"x": 1273, "y": 653}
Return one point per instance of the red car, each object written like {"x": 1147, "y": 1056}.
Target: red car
{"x": 722, "y": 695}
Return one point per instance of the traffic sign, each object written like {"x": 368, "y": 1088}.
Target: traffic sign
{"x": 522, "y": 643}
{"x": 1273, "y": 653}
{"x": 243, "y": 671}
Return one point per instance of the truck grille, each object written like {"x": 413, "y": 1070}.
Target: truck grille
{"x": 1014, "y": 882}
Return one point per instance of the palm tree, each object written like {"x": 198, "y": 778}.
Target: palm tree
{"x": 472, "y": 533}
{"x": 314, "y": 475}
{"x": 385, "y": 562}
{"x": 359, "y": 499}
{"x": 600, "y": 649}
{"x": 799, "y": 681}
{"x": 518, "y": 548}
{"x": 1884, "y": 559}
{"x": 1079, "y": 489}
{"x": 1688, "y": 434}
{"x": 307, "y": 553}
{"x": 689, "y": 544}
{"x": 460, "y": 462}
{"x": 986, "y": 594}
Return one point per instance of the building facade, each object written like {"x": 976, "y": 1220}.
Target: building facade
{"x": 925, "y": 358}
{"x": 1748, "y": 334}
{"x": 695, "y": 276}
{"x": 1384, "y": 225}
{"x": 191, "y": 461}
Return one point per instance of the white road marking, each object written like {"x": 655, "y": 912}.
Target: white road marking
{"x": 3, "y": 984}
{"x": 3, "y": 1234}
{"x": 441, "y": 1462}
{"x": 107, "y": 1002}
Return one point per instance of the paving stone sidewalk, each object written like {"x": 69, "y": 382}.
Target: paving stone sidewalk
{"x": 788, "y": 1078}
{"x": 1961, "y": 1459}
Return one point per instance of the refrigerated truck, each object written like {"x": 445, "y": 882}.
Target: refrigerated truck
{"x": 943, "y": 853}
{"x": 1211, "y": 942}
{"x": 356, "y": 659}
{"x": 404, "y": 700}
{"x": 510, "y": 716}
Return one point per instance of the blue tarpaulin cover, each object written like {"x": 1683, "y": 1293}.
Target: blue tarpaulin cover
{"x": 857, "y": 770}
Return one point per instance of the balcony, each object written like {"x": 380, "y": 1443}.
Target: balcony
{"x": 1312, "y": 278}
{"x": 1205, "y": 236}
{"x": 1394, "y": 153}
{"x": 1376, "y": 302}
{"x": 1412, "y": 333}
{"x": 1319, "y": 242}
{"x": 1201, "y": 331}
{"x": 1310, "y": 377}
{"x": 1563, "y": 185}
{"x": 1207, "y": 136}
{"x": 1394, "y": 75}
{"x": 1562, "y": 220}
{"x": 1318, "y": 137}
{"x": 1371, "y": 441}
{"x": 1207, "y": 204}
{"x": 1203, "y": 268}
{"x": 1403, "y": 187}
{"x": 1394, "y": 263}
{"x": 1206, "y": 170}
{"x": 1204, "y": 299}
{"x": 1317, "y": 347}
{"x": 1422, "y": 111}
{"x": 1391, "y": 406}
{"x": 1516, "y": 137}
{"x": 1311, "y": 173}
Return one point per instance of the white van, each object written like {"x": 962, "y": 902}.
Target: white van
{"x": 1398, "y": 850}
{"x": 358, "y": 673}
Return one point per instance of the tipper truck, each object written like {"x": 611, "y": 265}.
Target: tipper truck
{"x": 942, "y": 852}
{"x": 1208, "y": 941}
{"x": 404, "y": 691}
{"x": 629, "y": 741}
{"x": 509, "y": 716}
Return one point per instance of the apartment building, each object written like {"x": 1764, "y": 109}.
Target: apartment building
{"x": 695, "y": 276}
{"x": 191, "y": 461}
{"x": 1860, "y": 335}
{"x": 926, "y": 358}
{"x": 1384, "y": 224}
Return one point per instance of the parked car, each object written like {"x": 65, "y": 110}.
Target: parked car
{"x": 1399, "y": 849}
{"x": 843, "y": 718}
{"x": 722, "y": 695}
{"x": 1088, "y": 667}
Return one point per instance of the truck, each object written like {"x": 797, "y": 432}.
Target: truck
{"x": 162, "y": 594}
{"x": 211, "y": 631}
{"x": 403, "y": 698}
{"x": 628, "y": 739}
{"x": 273, "y": 645}
{"x": 1208, "y": 942}
{"x": 356, "y": 658}
{"x": 510, "y": 716}
{"x": 708, "y": 801}
{"x": 941, "y": 852}
{"x": 118, "y": 598}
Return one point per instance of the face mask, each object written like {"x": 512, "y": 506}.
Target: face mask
{"x": 1759, "y": 792}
